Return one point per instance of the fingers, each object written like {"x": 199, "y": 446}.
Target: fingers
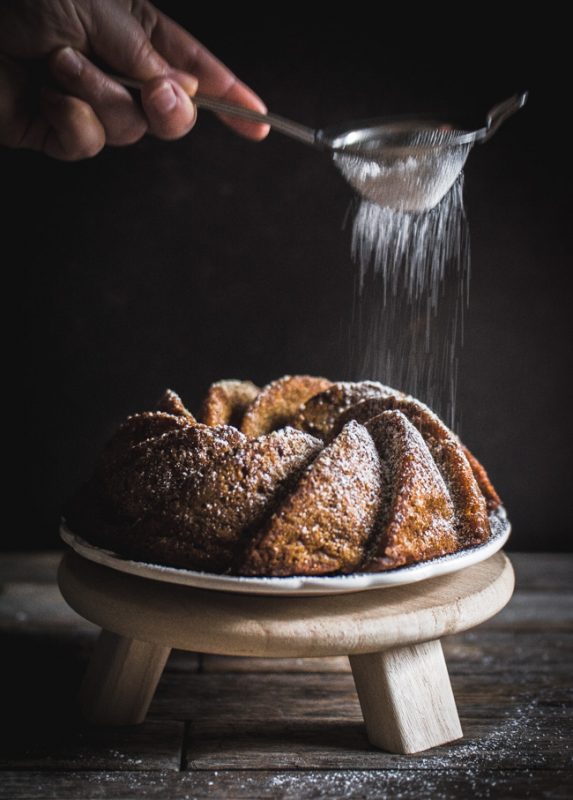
{"x": 63, "y": 127}
{"x": 169, "y": 113}
{"x": 134, "y": 40}
{"x": 184, "y": 52}
{"x": 74, "y": 130}
{"x": 119, "y": 38}
{"x": 120, "y": 117}
{"x": 169, "y": 110}
{"x": 141, "y": 43}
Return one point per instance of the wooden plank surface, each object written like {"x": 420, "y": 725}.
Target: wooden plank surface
{"x": 39, "y": 608}
{"x": 536, "y": 610}
{"x": 256, "y": 696}
{"x": 525, "y": 736}
{"x": 513, "y": 724}
{"x": 543, "y": 571}
{"x": 75, "y": 746}
{"x": 291, "y": 785}
{"x": 244, "y": 664}
{"x": 286, "y": 728}
{"x": 29, "y": 567}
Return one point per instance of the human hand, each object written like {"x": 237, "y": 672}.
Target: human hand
{"x": 54, "y": 97}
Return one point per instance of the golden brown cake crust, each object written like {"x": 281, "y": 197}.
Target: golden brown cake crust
{"x": 279, "y": 401}
{"x": 418, "y": 521}
{"x": 171, "y": 403}
{"x": 136, "y": 429}
{"x": 325, "y": 522}
{"x": 320, "y": 413}
{"x": 469, "y": 503}
{"x": 226, "y": 402}
{"x": 384, "y": 484}
{"x": 205, "y": 525}
{"x": 148, "y": 477}
{"x": 492, "y": 498}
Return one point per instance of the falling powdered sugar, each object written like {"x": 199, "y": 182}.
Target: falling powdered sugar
{"x": 410, "y": 296}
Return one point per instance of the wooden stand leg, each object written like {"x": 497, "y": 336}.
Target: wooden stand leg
{"x": 406, "y": 697}
{"x": 121, "y": 680}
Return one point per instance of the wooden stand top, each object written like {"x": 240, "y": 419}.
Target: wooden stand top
{"x": 253, "y": 625}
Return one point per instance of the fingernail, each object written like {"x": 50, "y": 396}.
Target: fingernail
{"x": 69, "y": 61}
{"x": 163, "y": 99}
{"x": 188, "y": 83}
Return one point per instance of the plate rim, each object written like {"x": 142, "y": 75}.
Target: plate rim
{"x": 300, "y": 584}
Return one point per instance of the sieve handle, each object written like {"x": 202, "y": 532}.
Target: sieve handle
{"x": 499, "y": 113}
{"x": 295, "y": 130}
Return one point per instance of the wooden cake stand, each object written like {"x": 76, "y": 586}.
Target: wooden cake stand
{"x": 391, "y": 636}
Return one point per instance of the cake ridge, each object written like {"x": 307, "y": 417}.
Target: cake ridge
{"x": 322, "y": 526}
{"x": 419, "y": 515}
{"x": 314, "y": 477}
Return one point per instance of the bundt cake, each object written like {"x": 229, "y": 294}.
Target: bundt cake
{"x": 303, "y": 477}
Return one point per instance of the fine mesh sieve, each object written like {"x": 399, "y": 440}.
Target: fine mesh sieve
{"x": 408, "y": 176}
{"x": 408, "y": 165}
{"x": 403, "y": 164}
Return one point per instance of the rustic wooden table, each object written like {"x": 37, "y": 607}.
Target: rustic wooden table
{"x": 222, "y": 727}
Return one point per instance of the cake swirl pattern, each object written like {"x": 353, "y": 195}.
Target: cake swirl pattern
{"x": 304, "y": 476}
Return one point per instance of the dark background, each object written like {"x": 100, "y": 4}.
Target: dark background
{"x": 176, "y": 264}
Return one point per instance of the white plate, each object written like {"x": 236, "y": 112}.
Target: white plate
{"x": 301, "y": 584}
